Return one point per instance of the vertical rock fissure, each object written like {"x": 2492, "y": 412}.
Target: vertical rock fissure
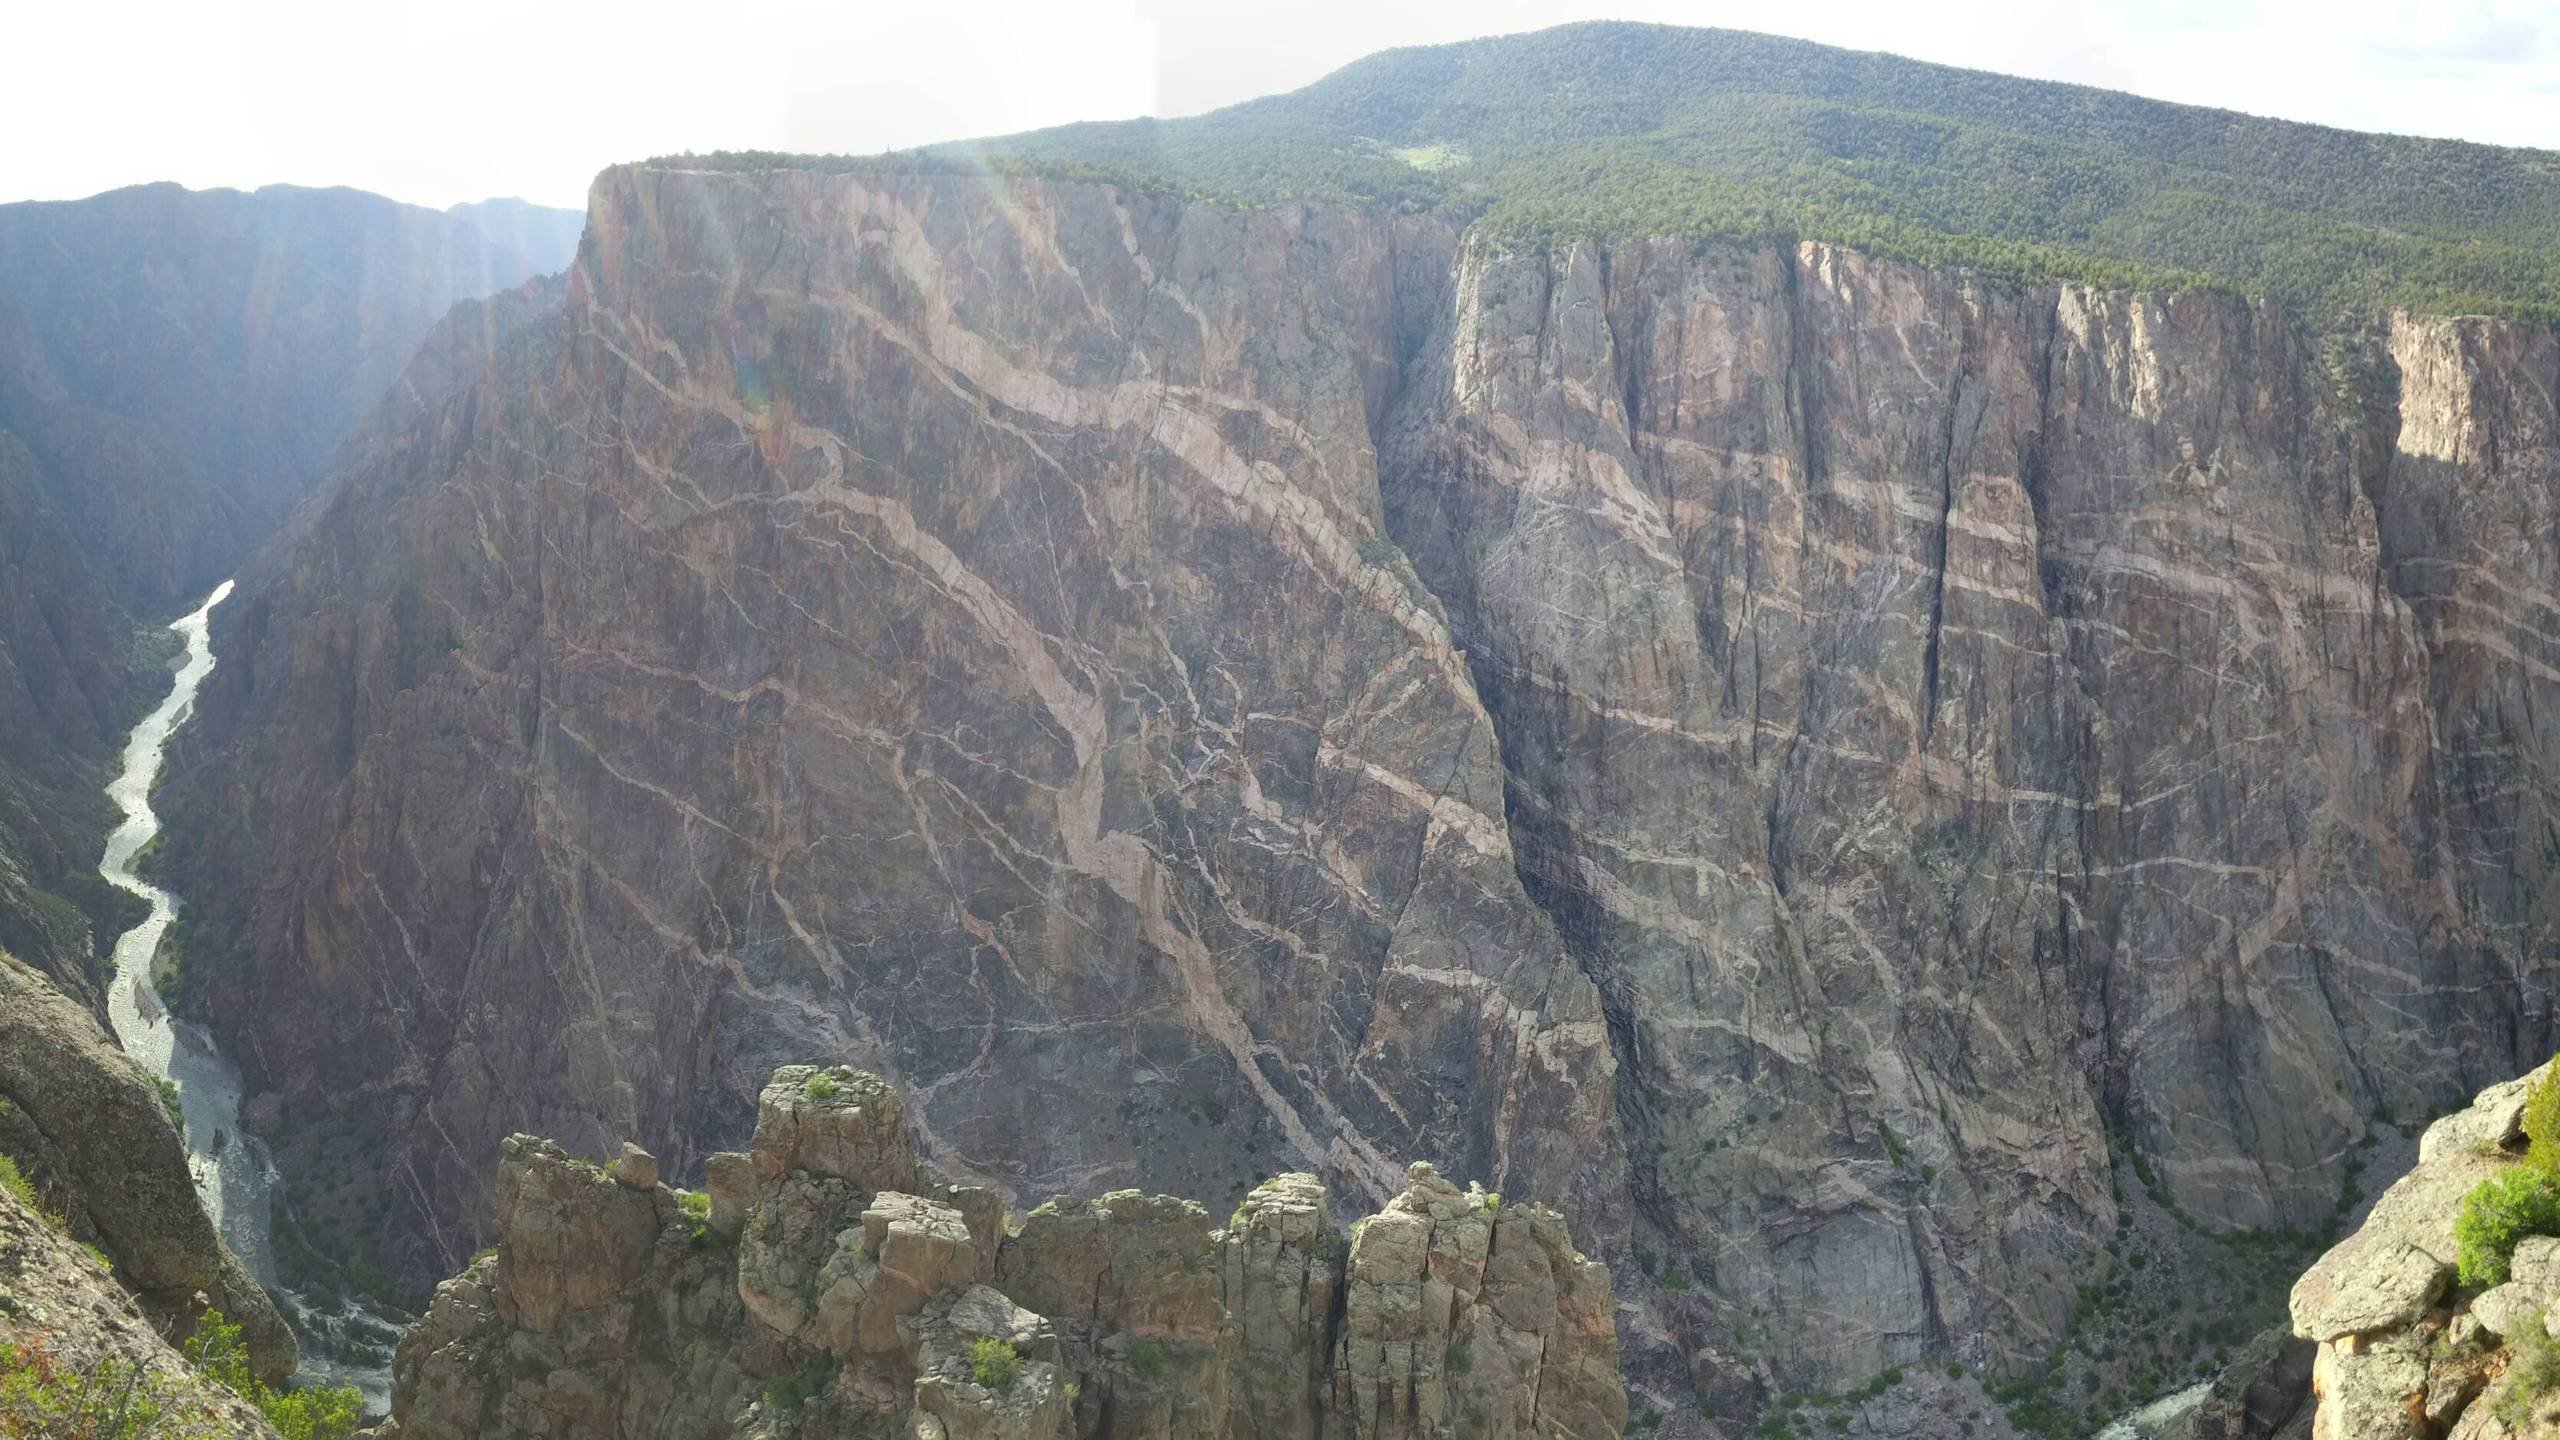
{"x": 1946, "y": 523}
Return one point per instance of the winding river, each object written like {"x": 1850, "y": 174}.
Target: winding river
{"x": 232, "y": 1170}
{"x": 343, "y": 1343}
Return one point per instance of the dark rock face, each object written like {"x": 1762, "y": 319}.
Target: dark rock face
{"x": 84, "y": 1123}
{"x": 838, "y": 1306}
{"x": 1779, "y": 750}
{"x": 184, "y": 363}
{"x": 68, "y": 688}
{"x": 1144, "y": 891}
{"x": 2263, "y": 1393}
{"x": 176, "y": 369}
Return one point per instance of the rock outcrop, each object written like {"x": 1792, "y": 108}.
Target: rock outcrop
{"x": 2263, "y": 1394}
{"x": 86, "y": 1127}
{"x": 2404, "y": 1352}
{"x": 71, "y": 1337}
{"x": 1790, "y": 754}
{"x": 841, "y": 1289}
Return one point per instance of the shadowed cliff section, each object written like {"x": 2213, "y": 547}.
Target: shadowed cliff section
{"x": 182, "y": 363}
{"x": 1791, "y": 754}
{"x": 73, "y": 677}
{"x": 176, "y": 369}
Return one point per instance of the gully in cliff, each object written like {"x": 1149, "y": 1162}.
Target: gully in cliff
{"x": 234, "y": 1177}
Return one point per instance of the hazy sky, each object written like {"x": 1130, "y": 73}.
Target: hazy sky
{"x": 436, "y": 101}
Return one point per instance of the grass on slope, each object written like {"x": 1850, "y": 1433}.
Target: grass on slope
{"x": 1610, "y": 128}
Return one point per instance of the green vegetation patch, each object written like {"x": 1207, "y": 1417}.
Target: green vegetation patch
{"x": 109, "y": 1398}
{"x": 112, "y": 1398}
{"x": 307, "y": 1412}
{"x": 695, "y": 1207}
{"x": 2514, "y": 1203}
{"x": 2533, "y": 1372}
{"x": 791, "y": 1392}
{"x": 15, "y": 1181}
{"x": 994, "y": 1364}
{"x": 1610, "y": 129}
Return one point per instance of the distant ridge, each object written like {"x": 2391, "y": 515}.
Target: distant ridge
{"x": 1615, "y": 128}
{"x": 544, "y": 234}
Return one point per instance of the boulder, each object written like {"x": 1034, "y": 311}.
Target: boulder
{"x": 786, "y": 1247}
{"x": 919, "y": 1249}
{"x": 2369, "y": 1395}
{"x": 729, "y": 1177}
{"x": 636, "y": 1168}
{"x": 2266, "y": 1385}
{"x": 840, "y": 1121}
{"x": 1135, "y": 1262}
{"x": 1280, "y": 1260}
{"x": 951, "y": 1403}
{"x": 2398, "y": 1262}
{"x": 569, "y": 1239}
{"x": 1461, "y": 1316}
{"x": 2494, "y": 1121}
{"x": 2501, "y": 1308}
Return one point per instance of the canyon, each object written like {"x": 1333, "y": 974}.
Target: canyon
{"x": 177, "y": 368}
{"x": 1797, "y": 758}
{"x": 1930, "y": 703}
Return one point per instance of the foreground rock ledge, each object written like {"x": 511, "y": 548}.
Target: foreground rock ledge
{"x": 2403, "y": 1352}
{"x": 833, "y": 1286}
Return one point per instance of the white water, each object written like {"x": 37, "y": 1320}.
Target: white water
{"x": 2155, "y": 1417}
{"x": 208, "y": 1088}
{"x": 232, "y": 1171}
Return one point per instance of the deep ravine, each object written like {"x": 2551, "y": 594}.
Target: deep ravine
{"x": 344, "y": 1342}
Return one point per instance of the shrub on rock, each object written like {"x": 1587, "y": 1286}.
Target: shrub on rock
{"x": 2542, "y": 1122}
{"x": 2500, "y": 1211}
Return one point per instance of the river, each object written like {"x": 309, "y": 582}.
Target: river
{"x": 232, "y": 1170}
{"x": 343, "y": 1342}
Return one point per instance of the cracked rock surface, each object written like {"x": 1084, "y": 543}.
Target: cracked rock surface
{"x": 2403, "y": 1354}
{"x": 1782, "y": 752}
{"x": 842, "y": 1311}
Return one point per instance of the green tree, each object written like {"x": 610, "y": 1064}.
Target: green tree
{"x": 311, "y": 1412}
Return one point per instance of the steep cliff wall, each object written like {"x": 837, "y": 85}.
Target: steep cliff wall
{"x": 1951, "y": 723}
{"x": 71, "y": 682}
{"x": 184, "y": 363}
{"x": 1785, "y": 753}
{"x": 176, "y": 369}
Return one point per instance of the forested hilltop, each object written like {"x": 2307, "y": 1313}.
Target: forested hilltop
{"x": 1614, "y": 128}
